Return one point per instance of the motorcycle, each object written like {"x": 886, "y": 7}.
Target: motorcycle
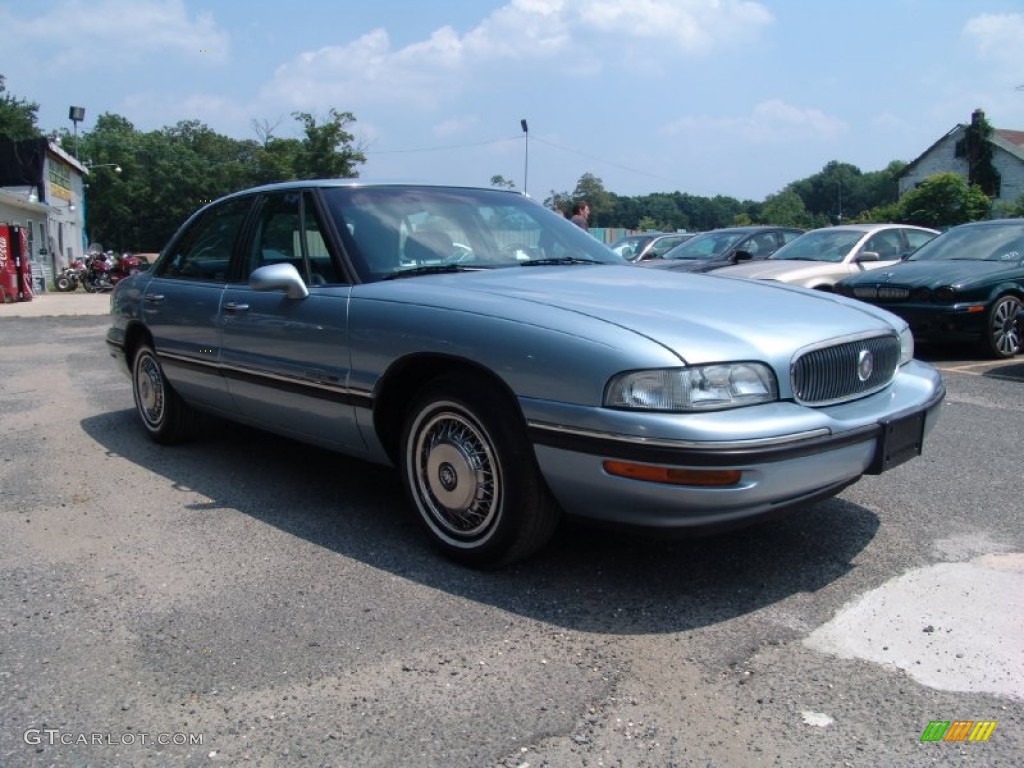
{"x": 124, "y": 266}
{"x": 97, "y": 274}
{"x": 69, "y": 278}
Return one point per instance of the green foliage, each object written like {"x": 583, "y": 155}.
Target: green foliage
{"x": 499, "y": 181}
{"x": 786, "y": 209}
{"x": 647, "y": 224}
{"x": 980, "y": 170}
{"x": 943, "y": 200}
{"x": 590, "y": 188}
{"x": 17, "y": 116}
{"x": 1009, "y": 210}
{"x": 169, "y": 173}
{"x": 327, "y": 151}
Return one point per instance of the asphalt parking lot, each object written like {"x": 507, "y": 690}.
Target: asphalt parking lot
{"x": 244, "y": 600}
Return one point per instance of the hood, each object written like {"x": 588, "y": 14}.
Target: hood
{"x": 685, "y": 265}
{"x": 934, "y": 274}
{"x": 702, "y": 318}
{"x": 775, "y": 269}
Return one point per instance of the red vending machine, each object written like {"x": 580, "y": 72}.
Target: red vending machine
{"x": 15, "y": 267}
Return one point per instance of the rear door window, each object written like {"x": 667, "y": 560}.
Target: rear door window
{"x": 204, "y": 251}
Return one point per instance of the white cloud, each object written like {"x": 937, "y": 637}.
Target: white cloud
{"x": 998, "y": 38}
{"x": 368, "y": 70}
{"x": 455, "y": 126}
{"x": 79, "y": 34}
{"x": 575, "y": 38}
{"x": 696, "y": 26}
{"x": 771, "y": 122}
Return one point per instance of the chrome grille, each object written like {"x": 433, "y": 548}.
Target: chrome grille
{"x": 892, "y": 292}
{"x": 832, "y": 374}
{"x": 881, "y": 292}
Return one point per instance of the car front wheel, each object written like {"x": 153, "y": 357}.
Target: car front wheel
{"x": 1002, "y": 337}
{"x": 470, "y": 472}
{"x": 164, "y": 414}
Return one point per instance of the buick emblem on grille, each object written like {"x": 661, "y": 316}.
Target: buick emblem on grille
{"x": 865, "y": 365}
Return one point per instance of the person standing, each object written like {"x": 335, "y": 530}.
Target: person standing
{"x": 580, "y": 214}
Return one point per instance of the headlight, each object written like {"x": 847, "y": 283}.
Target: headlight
{"x": 699, "y": 388}
{"x": 906, "y": 346}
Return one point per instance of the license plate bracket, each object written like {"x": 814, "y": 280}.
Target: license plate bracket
{"x": 901, "y": 439}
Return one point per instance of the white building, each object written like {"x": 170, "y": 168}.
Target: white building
{"x": 949, "y": 154}
{"x": 42, "y": 190}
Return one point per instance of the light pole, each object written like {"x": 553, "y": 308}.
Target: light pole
{"x": 76, "y": 115}
{"x": 526, "y": 162}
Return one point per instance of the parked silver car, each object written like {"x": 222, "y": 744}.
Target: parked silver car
{"x": 649, "y": 245}
{"x": 822, "y": 257}
{"x": 402, "y": 325}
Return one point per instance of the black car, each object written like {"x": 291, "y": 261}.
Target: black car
{"x": 723, "y": 247}
{"x": 966, "y": 284}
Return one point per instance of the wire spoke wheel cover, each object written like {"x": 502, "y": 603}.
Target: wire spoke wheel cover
{"x": 150, "y": 392}
{"x": 470, "y": 472}
{"x": 456, "y": 474}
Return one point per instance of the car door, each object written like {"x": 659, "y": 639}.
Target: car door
{"x": 286, "y": 360}
{"x": 181, "y": 304}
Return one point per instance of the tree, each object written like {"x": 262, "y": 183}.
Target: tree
{"x": 327, "y": 151}
{"x": 590, "y": 188}
{"x": 1010, "y": 209}
{"x": 943, "y": 200}
{"x": 17, "y": 116}
{"x": 499, "y": 181}
{"x": 785, "y": 209}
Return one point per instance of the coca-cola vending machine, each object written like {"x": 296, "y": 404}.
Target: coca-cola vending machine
{"x": 15, "y": 267}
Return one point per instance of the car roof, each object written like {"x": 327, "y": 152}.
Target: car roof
{"x": 751, "y": 228}
{"x": 358, "y": 183}
{"x": 871, "y": 227}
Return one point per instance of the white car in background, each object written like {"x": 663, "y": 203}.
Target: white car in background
{"x": 822, "y": 257}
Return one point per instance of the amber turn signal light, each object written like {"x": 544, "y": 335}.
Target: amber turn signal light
{"x": 672, "y": 476}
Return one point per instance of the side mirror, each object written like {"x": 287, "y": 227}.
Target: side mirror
{"x": 743, "y": 256}
{"x": 868, "y": 256}
{"x": 279, "y": 277}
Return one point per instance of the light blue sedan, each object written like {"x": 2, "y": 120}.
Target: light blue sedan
{"x": 512, "y": 368}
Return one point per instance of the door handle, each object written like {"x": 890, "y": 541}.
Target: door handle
{"x": 234, "y": 306}
{"x": 154, "y": 298}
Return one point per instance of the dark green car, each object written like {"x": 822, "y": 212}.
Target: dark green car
{"x": 965, "y": 285}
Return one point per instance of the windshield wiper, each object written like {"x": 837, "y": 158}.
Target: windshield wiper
{"x": 432, "y": 269}
{"x": 560, "y": 260}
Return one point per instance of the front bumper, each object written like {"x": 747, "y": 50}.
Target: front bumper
{"x": 955, "y": 322}
{"x": 823, "y": 451}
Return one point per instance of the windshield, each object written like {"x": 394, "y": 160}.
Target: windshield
{"x": 989, "y": 242}
{"x": 391, "y": 230}
{"x": 631, "y": 245}
{"x": 707, "y": 246}
{"x": 820, "y": 245}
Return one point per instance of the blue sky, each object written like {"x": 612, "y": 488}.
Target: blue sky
{"x": 707, "y": 97}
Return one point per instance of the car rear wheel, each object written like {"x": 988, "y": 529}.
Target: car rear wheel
{"x": 470, "y": 472}
{"x": 164, "y": 414}
{"x": 1002, "y": 338}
